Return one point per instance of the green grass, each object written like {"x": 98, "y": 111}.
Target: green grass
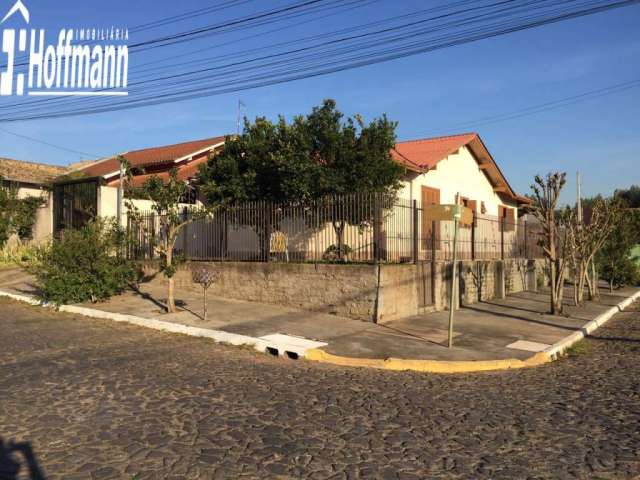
{"x": 578, "y": 348}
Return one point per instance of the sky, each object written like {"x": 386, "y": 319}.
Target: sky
{"x": 431, "y": 94}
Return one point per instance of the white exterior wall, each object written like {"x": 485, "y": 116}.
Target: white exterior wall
{"x": 108, "y": 204}
{"x": 458, "y": 173}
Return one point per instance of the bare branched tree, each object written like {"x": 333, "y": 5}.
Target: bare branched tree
{"x": 587, "y": 240}
{"x": 554, "y": 241}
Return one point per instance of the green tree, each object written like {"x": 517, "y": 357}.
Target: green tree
{"x": 315, "y": 156}
{"x": 615, "y": 262}
{"x": 167, "y": 197}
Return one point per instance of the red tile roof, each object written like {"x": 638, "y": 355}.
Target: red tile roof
{"x": 427, "y": 152}
{"x": 424, "y": 154}
{"x": 186, "y": 171}
{"x": 151, "y": 156}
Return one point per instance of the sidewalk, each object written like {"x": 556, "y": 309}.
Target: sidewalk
{"x": 484, "y": 331}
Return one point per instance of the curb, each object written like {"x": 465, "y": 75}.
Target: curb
{"x": 441, "y": 366}
{"x": 315, "y": 354}
{"x": 428, "y": 366}
{"x": 559, "y": 347}
{"x": 216, "y": 335}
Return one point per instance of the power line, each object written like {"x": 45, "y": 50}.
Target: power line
{"x": 52, "y": 145}
{"x": 543, "y": 107}
{"x": 337, "y": 54}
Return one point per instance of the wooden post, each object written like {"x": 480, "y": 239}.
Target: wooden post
{"x": 452, "y": 293}
{"x": 473, "y": 237}
{"x": 502, "y": 237}
{"x": 185, "y": 231}
{"x": 377, "y": 230}
{"x": 415, "y": 232}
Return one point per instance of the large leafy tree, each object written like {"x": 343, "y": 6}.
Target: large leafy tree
{"x": 313, "y": 157}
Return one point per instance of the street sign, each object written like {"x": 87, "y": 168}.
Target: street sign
{"x": 448, "y": 212}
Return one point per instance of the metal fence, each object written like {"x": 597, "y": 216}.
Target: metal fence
{"x": 352, "y": 228}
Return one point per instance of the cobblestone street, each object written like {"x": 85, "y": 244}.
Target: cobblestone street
{"x": 102, "y": 400}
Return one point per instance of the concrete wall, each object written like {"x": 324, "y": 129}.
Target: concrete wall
{"x": 43, "y": 226}
{"x": 362, "y": 292}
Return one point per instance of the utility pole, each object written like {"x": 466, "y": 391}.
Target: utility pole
{"x": 240, "y": 105}
{"x": 579, "y": 198}
{"x": 120, "y": 193}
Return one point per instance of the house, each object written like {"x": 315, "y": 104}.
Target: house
{"x": 92, "y": 188}
{"x": 440, "y": 168}
{"x": 31, "y": 179}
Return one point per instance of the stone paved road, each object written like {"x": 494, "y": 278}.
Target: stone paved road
{"x": 102, "y": 400}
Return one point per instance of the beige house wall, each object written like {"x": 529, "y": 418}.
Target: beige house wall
{"x": 458, "y": 173}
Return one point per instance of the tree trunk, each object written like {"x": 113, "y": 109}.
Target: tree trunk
{"x": 171, "y": 303}
{"x": 552, "y": 281}
{"x": 559, "y": 287}
{"x": 339, "y": 229}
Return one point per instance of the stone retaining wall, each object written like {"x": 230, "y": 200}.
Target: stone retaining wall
{"x": 363, "y": 292}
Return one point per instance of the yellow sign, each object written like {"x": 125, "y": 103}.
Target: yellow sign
{"x": 448, "y": 212}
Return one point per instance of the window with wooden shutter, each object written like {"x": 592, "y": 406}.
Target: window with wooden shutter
{"x": 429, "y": 196}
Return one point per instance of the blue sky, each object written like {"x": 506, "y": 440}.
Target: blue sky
{"x": 430, "y": 94}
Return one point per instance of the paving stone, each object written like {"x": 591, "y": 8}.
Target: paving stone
{"x": 102, "y": 400}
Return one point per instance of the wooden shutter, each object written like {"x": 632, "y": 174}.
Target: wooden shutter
{"x": 430, "y": 196}
{"x": 509, "y": 216}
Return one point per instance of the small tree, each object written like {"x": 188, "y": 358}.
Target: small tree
{"x": 167, "y": 197}
{"x": 554, "y": 241}
{"x": 587, "y": 238}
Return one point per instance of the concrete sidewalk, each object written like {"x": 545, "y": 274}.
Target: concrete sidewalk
{"x": 483, "y": 331}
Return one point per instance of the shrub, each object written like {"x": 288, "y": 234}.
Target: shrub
{"x": 332, "y": 253}
{"x": 83, "y": 265}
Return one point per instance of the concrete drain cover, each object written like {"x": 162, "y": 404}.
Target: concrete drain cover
{"x": 528, "y": 346}
{"x": 289, "y": 345}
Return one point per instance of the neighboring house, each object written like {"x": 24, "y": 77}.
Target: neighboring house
{"x": 441, "y": 167}
{"x": 92, "y": 188}
{"x": 31, "y": 180}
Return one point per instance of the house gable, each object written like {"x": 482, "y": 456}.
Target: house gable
{"x": 460, "y": 173}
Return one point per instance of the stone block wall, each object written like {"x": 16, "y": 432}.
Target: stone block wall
{"x": 363, "y": 292}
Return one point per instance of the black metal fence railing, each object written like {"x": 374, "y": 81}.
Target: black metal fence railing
{"x": 351, "y": 228}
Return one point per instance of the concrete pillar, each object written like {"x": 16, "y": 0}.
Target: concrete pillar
{"x": 532, "y": 281}
{"x": 501, "y": 285}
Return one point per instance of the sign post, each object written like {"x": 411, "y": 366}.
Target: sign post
{"x": 460, "y": 215}
{"x": 457, "y": 215}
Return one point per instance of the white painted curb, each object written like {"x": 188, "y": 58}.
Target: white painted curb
{"x": 216, "y": 335}
{"x": 559, "y": 347}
